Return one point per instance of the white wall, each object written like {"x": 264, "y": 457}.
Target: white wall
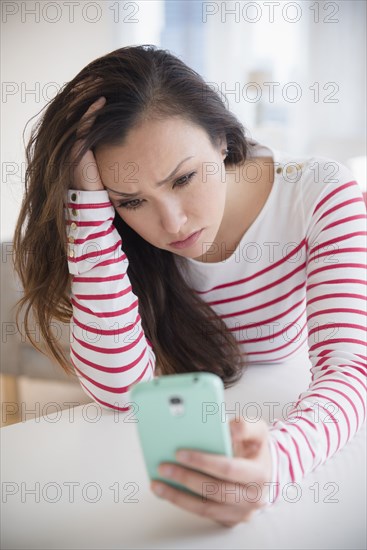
{"x": 325, "y": 44}
{"x": 337, "y": 53}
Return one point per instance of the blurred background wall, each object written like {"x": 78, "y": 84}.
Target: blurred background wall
{"x": 293, "y": 72}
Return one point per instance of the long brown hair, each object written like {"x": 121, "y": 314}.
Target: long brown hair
{"x": 137, "y": 82}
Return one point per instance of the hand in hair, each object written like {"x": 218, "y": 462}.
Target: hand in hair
{"x": 86, "y": 176}
{"x": 230, "y": 490}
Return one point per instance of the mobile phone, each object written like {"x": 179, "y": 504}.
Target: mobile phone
{"x": 180, "y": 411}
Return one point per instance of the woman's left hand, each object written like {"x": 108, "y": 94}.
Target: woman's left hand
{"x": 230, "y": 490}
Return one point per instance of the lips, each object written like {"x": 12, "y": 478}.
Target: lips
{"x": 190, "y": 241}
{"x": 185, "y": 239}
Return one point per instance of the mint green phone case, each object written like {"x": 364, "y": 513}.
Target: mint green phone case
{"x": 184, "y": 411}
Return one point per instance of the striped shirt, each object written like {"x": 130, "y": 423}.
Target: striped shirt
{"x": 296, "y": 281}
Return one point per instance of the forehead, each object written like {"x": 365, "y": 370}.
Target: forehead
{"x": 157, "y": 134}
{"x": 152, "y": 149}
{"x": 163, "y": 128}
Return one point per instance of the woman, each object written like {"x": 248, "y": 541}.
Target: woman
{"x": 134, "y": 156}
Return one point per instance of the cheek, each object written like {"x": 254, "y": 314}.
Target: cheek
{"x": 213, "y": 194}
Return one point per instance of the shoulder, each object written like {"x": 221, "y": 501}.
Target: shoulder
{"x": 327, "y": 171}
{"x": 319, "y": 186}
{"x": 330, "y": 193}
{"x": 325, "y": 180}
{"x": 317, "y": 170}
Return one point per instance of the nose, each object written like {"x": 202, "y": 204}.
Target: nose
{"x": 172, "y": 218}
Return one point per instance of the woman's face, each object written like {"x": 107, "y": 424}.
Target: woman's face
{"x": 191, "y": 199}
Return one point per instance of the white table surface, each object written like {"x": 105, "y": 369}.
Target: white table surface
{"x": 113, "y": 506}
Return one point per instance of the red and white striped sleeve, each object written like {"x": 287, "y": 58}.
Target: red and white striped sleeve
{"x": 108, "y": 347}
{"x": 332, "y": 410}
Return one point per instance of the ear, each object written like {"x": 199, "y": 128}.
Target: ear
{"x": 221, "y": 143}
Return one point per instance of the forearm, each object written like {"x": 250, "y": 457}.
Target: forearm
{"x": 108, "y": 346}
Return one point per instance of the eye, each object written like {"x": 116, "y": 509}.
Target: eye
{"x": 136, "y": 203}
{"x": 185, "y": 180}
{"x": 129, "y": 205}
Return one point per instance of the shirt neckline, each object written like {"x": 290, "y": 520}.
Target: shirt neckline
{"x": 277, "y": 174}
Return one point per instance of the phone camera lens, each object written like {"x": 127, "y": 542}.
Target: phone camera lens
{"x": 176, "y": 406}
{"x": 175, "y": 400}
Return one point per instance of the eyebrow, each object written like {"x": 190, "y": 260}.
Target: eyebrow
{"x": 159, "y": 184}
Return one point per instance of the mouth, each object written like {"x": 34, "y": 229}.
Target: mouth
{"x": 189, "y": 241}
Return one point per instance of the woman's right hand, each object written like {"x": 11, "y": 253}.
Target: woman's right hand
{"x": 86, "y": 176}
